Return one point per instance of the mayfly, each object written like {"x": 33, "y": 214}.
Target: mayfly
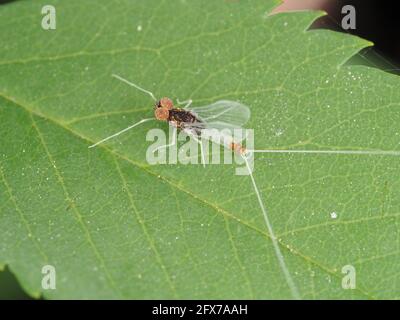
{"x": 227, "y": 115}
{"x": 220, "y": 115}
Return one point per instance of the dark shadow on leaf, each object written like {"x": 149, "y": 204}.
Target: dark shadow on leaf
{"x": 6, "y": 1}
{"x": 10, "y": 289}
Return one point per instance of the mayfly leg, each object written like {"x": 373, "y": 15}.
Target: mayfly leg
{"x": 120, "y": 132}
{"x": 203, "y": 159}
{"x": 135, "y": 124}
{"x": 293, "y": 288}
{"x": 187, "y": 103}
{"x": 170, "y": 144}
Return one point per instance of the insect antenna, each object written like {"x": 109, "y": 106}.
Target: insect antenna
{"x": 135, "y": 86}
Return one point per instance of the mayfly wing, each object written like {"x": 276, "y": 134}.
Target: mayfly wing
{"x": 223, "y": 114}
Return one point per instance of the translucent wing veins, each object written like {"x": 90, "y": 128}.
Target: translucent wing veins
{"x": 223, "y": 114}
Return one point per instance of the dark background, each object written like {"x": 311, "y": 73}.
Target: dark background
{"x": 377, "y": 21}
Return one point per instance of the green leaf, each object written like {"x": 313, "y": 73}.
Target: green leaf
{"x": 114, "y": 226}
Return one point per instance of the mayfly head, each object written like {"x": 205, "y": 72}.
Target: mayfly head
{"x": 162, "y": 108}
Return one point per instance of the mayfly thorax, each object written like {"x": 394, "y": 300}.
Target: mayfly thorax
{"x": 164, "y": 110}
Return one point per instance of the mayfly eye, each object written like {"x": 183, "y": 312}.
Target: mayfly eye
{"x": 166, "y": 103}
{"x": 161, "y": 114}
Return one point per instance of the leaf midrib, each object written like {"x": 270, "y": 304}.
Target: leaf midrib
{"x": 204, "y": 202}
